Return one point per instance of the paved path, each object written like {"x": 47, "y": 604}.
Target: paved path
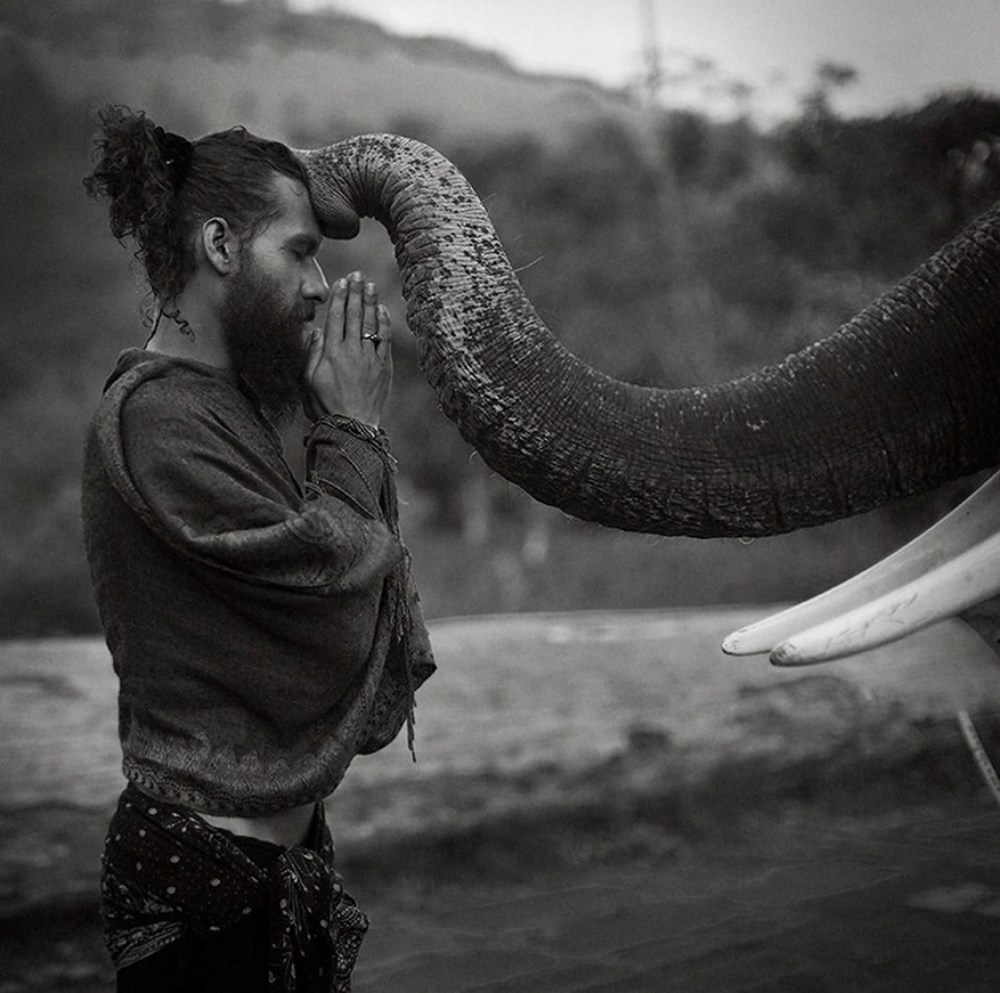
{"x": 799, "y": 901}
{"x": 908, "y": 903}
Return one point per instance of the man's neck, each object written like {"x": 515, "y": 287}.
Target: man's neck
{"x": 187, "y": 329}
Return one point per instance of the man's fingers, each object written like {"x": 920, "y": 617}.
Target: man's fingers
{"x": 314, "y": 352}
{"x": 349, "y": 370}
{"x": 369, "y": 318}
{"x": 335, "y": 314}
{"x": 355, "y": 305}
{"x": 384, "y": 333}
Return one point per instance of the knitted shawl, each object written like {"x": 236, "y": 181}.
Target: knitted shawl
{"x": 263, "y": 632}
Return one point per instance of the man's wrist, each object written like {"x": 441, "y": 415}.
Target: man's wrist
{"x": 317, "y": 411}
{"x": 372, "y": 433}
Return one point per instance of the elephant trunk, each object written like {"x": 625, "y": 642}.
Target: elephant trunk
{"x": 901, "y": 399}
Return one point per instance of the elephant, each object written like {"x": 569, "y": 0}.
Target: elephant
{"x": 899, "y": 400}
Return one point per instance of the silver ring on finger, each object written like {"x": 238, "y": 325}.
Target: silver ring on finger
{"x": 372, "y": 337}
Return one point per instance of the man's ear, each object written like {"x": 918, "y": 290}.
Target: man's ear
{"x": 219, "y": 245}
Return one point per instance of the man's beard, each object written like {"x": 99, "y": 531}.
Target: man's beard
{"x": 265, "y": 340}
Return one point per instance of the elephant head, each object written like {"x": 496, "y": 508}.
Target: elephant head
{"x": 902, "y": 398}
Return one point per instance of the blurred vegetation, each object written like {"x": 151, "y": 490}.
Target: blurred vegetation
{"x": 665, "y": 248}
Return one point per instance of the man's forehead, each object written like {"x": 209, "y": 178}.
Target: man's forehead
{"x": 295, "y": 213}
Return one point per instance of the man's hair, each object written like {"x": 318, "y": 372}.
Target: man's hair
{"x": 161, "y": 188}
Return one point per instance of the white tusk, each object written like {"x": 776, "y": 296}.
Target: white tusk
{"x": 955, "y": 586}
{"x": 973, "y": 520}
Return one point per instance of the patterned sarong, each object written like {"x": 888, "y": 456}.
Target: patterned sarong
{"x": 167, "y": 872}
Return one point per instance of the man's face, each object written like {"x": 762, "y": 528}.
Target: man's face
{"x": 269, "y": 300}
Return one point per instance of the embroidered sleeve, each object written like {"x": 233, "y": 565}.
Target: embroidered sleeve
{"x": 351, "y": 460}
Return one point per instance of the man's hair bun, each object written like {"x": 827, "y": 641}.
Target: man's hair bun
{"x": 134, "y": 171}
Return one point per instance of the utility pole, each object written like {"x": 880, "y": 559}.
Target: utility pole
{"x": 683, "y": 307}
{"x": 652, "y": 77}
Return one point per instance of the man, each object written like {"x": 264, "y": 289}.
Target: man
{"x": 263, "y": 631}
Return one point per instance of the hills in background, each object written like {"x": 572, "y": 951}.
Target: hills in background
{"x": 665, "y": 248}
{"x": 288, "y": 74}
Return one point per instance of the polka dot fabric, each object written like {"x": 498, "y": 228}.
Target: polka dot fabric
{"x": 166, "y": 872}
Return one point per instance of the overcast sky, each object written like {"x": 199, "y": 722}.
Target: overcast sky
{"x": 903, "y": 50}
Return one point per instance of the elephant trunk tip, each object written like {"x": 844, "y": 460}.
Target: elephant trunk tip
{"x": 330, "y": 198}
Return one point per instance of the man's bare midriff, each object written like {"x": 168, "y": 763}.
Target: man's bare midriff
{"x": 285, "y": 827}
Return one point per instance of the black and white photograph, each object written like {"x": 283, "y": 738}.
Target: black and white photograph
{"x": 499, "y": 496}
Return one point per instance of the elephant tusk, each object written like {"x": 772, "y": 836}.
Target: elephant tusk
{"x": 970, "y": 523}
{"x": 956, "y": 585}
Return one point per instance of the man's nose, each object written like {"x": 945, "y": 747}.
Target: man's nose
{"x": 316, "y": 287}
